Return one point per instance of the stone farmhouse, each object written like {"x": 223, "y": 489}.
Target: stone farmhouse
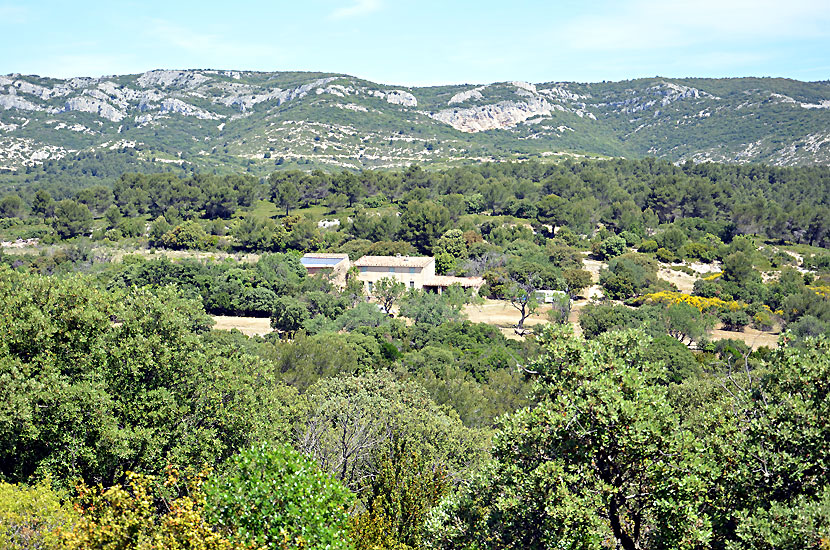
{"x": 413, "y": 271}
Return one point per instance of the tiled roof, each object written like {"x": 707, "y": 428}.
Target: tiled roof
{"x": 394, "y": 261}
{"x": 446, "y": 280}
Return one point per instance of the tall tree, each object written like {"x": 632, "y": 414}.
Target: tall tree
{"x": 387, "y": 291}
{"x": 600, "y": 458}
{"x": 422, "y": 223}
{"x": 72, "y": 219}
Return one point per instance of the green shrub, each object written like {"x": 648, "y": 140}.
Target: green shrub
{"x": 188, "y": 235}
{"x": 735, "y": 320}
{"x": 647, "y": 247}
{"x": 276, "y": 497}
{"x": 665, "y": 255}
{"x": 611, "y": 247}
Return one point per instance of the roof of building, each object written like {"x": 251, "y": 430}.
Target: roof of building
{"x": 394, "y": 261}
{"x": 323, "y": 260}
{"x": 446, "y": 280}
{"x": 324, "y": 255}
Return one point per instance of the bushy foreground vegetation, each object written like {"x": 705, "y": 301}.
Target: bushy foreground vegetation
{"x": 147, "y": 430}
{"x": 127, "y": 422}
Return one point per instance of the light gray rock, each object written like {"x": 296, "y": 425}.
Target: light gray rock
{"x": 95, "y": 106}
{"x": 400, "y": 97}
{"x": 466, "y": 95}
{"x": 174, "y": 105}
{"x": 503, "y": 114}
{"x": 183, "y": 79}
{"x": 14, "y": 101}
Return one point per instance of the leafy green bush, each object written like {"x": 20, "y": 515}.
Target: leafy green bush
{"x": 276, "y": 497}
{"x": 72, "y": 219}
{"x": 648, "y": 246}
{"x": 735, "y": 321}
{"x": 609, "y": 248}
{"x": 665, "y": 255}
{"x": 628, "y": 275}
{"x": 188, "y": 235}
{"x": 289, "y": 315}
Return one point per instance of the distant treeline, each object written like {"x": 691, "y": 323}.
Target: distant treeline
{"x": 624, "y": 195}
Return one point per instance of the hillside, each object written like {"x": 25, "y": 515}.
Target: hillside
{"x": 224, "y": 120}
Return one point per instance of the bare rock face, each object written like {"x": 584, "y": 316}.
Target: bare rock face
{"x": 95, "y": 106}
{"x": 178, "y": 106}
{"x": 14, "y": 101}
{"x": 400, "y": 97}
{"x": 824, "y": 104}
{"x": 533, "y": 105}
{"x": 184, "y": 79}
{"x": 245, "y": 98}
{"x": 466, "y": 95}
{"x": 503, "y": 114}
{"x": 659, "y": 95}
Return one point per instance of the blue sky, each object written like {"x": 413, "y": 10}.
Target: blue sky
{"x": 423, "y": 42}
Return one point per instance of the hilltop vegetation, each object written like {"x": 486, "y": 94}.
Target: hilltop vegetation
{"x": 227, "y": 121}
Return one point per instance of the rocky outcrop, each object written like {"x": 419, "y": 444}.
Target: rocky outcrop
{"x": 504, "y": 114}
{"x": 659, "y": 95}
{"x": 180, "y": 79}
{"x": 14, "y": 101}
{"x": 186, "y": 109}
{"x": 95, "y": 106}
{"x": 245, "y": 101}
{"x": 466, "y": 95}
{"x": 400, "y": 97}
{"x": 825, "y": 104}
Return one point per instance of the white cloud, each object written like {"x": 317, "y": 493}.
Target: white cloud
{"x": 213, "y": 48}
{"x": 184, "y": 38}
{"x": 12, "y": 14}
{"x": 642, "y": 24}
{"x": 358, "y": 8}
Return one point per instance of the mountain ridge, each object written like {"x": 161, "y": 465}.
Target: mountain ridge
{"x": 225, "y": 119}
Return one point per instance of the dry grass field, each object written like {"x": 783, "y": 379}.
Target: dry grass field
{"x": 250, "y": 326}
{"x": 751, "y": 337}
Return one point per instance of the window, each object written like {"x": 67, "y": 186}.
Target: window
{"x": 411, "y": 284}
{"x": 369, "y": 285}
{"x": 411, "y": 270}
{"x": 391, "y": 270}
{"x": 364, "y": 269}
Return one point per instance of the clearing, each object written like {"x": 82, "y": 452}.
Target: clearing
{"x": 249, "y": 326}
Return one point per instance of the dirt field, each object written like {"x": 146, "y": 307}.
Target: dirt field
{"x": 188, "y": 254}
{"x": 683, "y": 282}
{"x": 250, "y": 326}
{"x": 502, "y": 314}
{"x": 750, "y": 336}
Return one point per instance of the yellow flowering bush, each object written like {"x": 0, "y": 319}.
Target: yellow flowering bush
{"x": 31, "y": 515}
{"x": 699, "y": 302}
{"x": 127, "y": 518}
{"x": 821, "y": 289}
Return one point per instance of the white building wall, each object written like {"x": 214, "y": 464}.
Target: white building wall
{"x": 412, "y": 277}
